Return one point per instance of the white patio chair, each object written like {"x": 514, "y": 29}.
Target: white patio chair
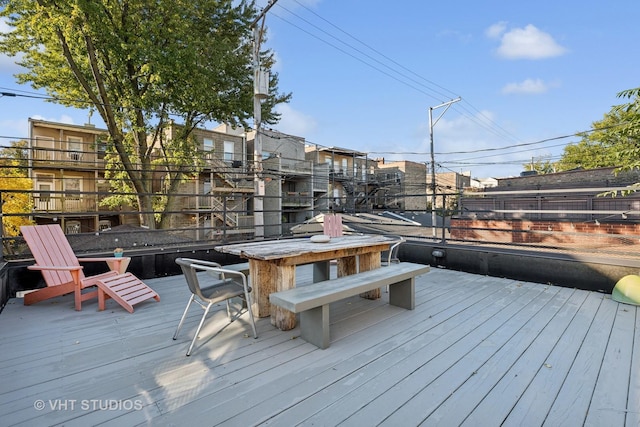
{"x": 391, "y": 256}
{"x": 219, "y": 285}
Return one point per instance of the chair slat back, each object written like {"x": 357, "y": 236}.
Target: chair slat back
{"x": 332, "y": 225}
{"x": 50, "y": 247}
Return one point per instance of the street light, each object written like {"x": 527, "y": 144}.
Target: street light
{"x": 433, "y": 161}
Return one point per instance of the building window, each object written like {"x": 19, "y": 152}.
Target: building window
{"x": 327, "y": 161}
{"x": 43, "y": 149}
{"x": 44, "y": 183}
{"x": 208, "y": 147}
{"x": 74, "y": 148}
{"x": 72, "y": 187}
{"x": 101, "y": 147}
{"x": 228, "y": 151}
{"x": 208, "y": 144}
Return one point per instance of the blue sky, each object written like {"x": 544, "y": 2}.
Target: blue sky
{"x": 363, "y": 75}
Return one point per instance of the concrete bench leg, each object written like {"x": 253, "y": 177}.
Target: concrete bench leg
{"x": 402, "y": 294}
{"x": 320, "y": 271}
{"x": 314, "y": 326}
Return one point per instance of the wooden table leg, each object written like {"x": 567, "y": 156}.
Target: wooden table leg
{"x": 262, "y": 284}
{"x": 285, "y": 278}
{"x": 368, "y": 262}
{"x": 347, "y": 266}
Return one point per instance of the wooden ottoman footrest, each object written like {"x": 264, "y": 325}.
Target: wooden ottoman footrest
{"x": 126, "y": 289}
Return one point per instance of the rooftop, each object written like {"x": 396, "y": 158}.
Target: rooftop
{"x": 477, "y": 350}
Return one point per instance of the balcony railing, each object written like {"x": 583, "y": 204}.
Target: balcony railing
{"x": 296, "y": 167}
{"x": 64, "y": 203}
{"x": 42, "y": 156}
{"x": 297, "y": 199}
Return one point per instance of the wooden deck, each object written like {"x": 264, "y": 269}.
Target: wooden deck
{"x": 477, "y": 351}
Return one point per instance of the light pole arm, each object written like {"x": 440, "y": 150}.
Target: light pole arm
{"x": 433, "y": 160}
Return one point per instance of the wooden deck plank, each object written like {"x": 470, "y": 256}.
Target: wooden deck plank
{"x": 535, "y": 402}
{"x": 572, "y": 402}
{"x": 372, "y": 378}
{"x": 501, "y": 398}
{"x": 633, "y": 402}
{"x": 285, "y": 370}
{"x": 382, "y": 362}
{"x": 328, "y": 381}
{"x": 498, "y": 367}
{"x": 381, "y": 390}
{"x": 460, "y": 367}
{"x": 608, "y": 403}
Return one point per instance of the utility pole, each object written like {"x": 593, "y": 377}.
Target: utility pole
{"x": 258, "y": 95}
{"x": 433, "y": 161}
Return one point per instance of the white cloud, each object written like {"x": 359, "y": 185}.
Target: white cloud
{"x": 278, "y": 63}
{"x": 4, "y": 27}
{"x": 524, "y": 43}
{"x": 294, "y": 122}
{"x": 15, "y": 129}
{"x": 459, "y": 133}
{"x": 8, "y": 63}
{"x": 461, "y": 37}
{"x": 468, "y": 134}
{"x": 528, "y": 86}
{"x": 496, "y": 30}
{"x": 64, "y": 118}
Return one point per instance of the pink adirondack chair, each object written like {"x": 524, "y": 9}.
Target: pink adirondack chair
{"x": 63, "y": 273}
{"x": 332, "y": 225}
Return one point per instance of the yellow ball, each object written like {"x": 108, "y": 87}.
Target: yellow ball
{"x": 627, "y": 290}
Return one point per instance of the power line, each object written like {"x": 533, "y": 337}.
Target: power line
{"x": 356, "y": 58}
{"x": 495, "y": 128}
{"x": 450, "y": 93}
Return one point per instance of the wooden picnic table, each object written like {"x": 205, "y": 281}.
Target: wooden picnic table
{"x": 272, "y": 266}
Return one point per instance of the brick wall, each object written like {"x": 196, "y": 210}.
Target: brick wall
{"x": 605, "y": 177}
{"x": 547, "y": 233}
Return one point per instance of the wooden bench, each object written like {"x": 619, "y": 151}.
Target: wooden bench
{"x": 312, "y": 301}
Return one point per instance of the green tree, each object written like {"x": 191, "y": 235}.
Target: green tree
{"x": 542, "y": 165}
{"x": 629, "y": 129}
{"x": 15, "y": 188}
{"x": 139, "y": 64}
{"x": 605, "y": 146}
{"x": 629, "y": 132}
